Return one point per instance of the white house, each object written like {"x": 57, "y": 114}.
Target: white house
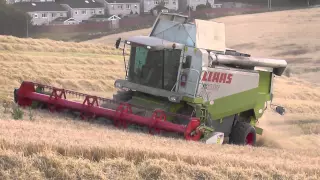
{"x": 42, "y": 13}
{"x": 150, "y": 4}
{"x": 121, "y": 7}
{"x": 81, "y": 10}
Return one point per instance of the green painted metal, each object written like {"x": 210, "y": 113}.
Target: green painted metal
{"x": 149, "y": 102}
{"x": 233, "y": 104}
{"x": 264, "y": 92}
{"x": 258, "y": 130}
{"x": 197, "y": 100}
{"x": 253, "y": 99}
{"x": 154, "y": 102}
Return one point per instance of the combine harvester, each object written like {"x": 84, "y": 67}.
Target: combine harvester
{"x": 180, "y": 79}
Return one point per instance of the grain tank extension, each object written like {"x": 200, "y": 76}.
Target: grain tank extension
{"x": 181, "y": 79}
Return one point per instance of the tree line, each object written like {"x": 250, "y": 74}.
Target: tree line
{"x": 12, "y": 21}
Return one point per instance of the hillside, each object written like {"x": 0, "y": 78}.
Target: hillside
{"x": 54, "y": 146}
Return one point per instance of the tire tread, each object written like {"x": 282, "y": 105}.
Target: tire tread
{"x": 239, "y": 133}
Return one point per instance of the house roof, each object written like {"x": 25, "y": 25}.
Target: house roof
{"x": 82, "y": 3}
{"x": 122, "y": 1}
{"x": 114, "y": 17}
{"x": 38, "y": 6}
{"x": 98, "y": 16}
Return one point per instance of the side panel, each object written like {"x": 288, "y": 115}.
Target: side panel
{"x": 264, "y": 92}
{"x": 193, "y": 73}
{"x": 233, "y": 104}
{"x": 152, "y": 103}
{"x": 254, "y": 98}
{"x": 218, "y": 83}
{"x": 264, "y": 83}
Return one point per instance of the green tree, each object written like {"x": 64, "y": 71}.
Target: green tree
{"x": 13, "y": 21}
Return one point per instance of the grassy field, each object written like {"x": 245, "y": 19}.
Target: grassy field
{"x": 55, "y": 146}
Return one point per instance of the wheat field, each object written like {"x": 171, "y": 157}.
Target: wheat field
{"x": 55, "y": 146}
{"x": 81, "y": 66}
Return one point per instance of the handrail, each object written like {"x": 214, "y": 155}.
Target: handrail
{"x": 191, "y": 82}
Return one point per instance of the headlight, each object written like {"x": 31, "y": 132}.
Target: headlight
{"x": 118, "y": 85}
{"x": 173, "y": 98}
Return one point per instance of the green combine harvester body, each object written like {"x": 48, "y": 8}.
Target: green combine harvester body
{"x": 185, "y": 68}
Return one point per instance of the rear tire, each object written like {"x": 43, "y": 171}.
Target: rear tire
{"x": 243, "y": 134}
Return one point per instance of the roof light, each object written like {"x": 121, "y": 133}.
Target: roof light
{"x": 148, "y": 47}
{"x": 117, "y": 84}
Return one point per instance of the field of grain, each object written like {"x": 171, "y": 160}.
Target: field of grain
{"x": 56, "y": 146}
{"x": 85, "y": 67}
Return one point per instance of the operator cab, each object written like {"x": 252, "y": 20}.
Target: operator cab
{"x": 153, "y": 66}
{"x": 153, "y": 62}
{"x": 170, "y": 60}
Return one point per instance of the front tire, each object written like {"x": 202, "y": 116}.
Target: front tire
{"x": 243, "y": 134}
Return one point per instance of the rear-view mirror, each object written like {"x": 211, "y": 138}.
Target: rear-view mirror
{"x": 118, "y": 43}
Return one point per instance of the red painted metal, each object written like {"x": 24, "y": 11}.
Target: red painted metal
{"x": 191, "y": 132}
{"x": 158, "y": 115}
{"x": 56, "y": 94}
{"x": 249, "y": 139}
{"x": 123, "y": 115}
{"x": 89, "y": 102}
{"x": 123, "y": 110}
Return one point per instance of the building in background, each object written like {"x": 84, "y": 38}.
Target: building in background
{"x": 149, "y": 5}
{"x": 17, "y": 1}
{"x": 122, "y": 8}
{"x": 64, "y": 21}
{"x": 81, "y": 10}
{"x": 42, "y": 13}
